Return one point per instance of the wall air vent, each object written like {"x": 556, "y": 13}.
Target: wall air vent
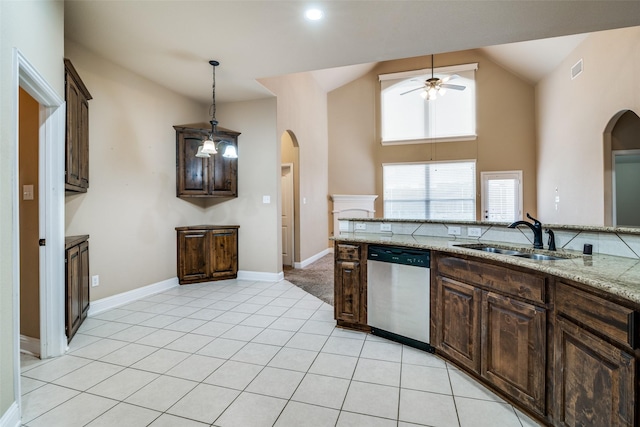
{"x": 576, "y": 70}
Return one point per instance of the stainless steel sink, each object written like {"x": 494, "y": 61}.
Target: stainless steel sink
{"x": 513, "y": 252}
{"x": 541, "y": 257}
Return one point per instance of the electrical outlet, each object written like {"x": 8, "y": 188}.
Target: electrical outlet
{"x": 385, "y": 227}
{"x": 474, "y": 231}
{"x": 95, "y": 281}
{"x": 361, "y": 226}
{"x": 455, "y": 231}
{"x": 266, "y": 199}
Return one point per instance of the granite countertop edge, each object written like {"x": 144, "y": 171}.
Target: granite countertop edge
{"x": 616, "y": 275}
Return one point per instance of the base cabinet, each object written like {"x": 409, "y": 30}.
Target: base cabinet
{"x": 350, "y": 296}
{"x": 207, "y": 252}
{"x": 77, "y": 283}
{"x": 483, "y": 322}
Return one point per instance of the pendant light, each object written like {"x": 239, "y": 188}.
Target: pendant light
{"x": 211, "y": 144}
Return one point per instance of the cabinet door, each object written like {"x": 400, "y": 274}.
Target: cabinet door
{"x": 72, "y": 158}
{"x": 224, "y": 254}
{"x": 594, "y": 380}
{"x": 85, "y": 280}
{"x": 193, "y": 256}
{"x": 457, "y": 323}
{"x": 72, "y": 306}
{"x": 192, "y": 172}
{"x": 514, "y": 348}
{"x": 83, "y": 142}
{"x": 347, "y": 291}
{"x": 224, "y": 173}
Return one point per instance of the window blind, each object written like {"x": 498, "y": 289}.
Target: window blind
{"x": 430, "y": 190}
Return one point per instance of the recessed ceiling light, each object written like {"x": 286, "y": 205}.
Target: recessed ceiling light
{"x": 314, "y": 14}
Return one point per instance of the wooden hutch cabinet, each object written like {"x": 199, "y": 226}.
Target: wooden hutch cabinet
{"x": 207, "y": 252}
{"x": 78, "y": 282}
{"x": 215, "y": 176}
{"x": 77, "y": 131}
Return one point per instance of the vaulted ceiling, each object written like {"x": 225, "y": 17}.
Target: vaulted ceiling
{"x": 171, "y": 42}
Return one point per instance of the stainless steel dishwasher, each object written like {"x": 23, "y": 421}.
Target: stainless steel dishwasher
{"x": 398, "y": 288}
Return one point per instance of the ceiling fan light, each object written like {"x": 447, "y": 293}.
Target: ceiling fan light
{"x": 201, "y": 154}
{"x": 230, "y": 152}
{"x": 209, "y": 147}
{"x": 424, "y": 94}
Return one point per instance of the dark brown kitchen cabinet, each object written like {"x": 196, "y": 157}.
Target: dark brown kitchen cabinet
{"x": 513, "y": 348}
{"x": 492, "y": 320}
{"x": 457, "y": 321}
{"x": 78, "y": 283}
{"x": 207, "y": 253}
{"x": 350, "y": 288}
{"x": 594, "y": 366}
{"x": 77, "y": 97}
{"x": 215, "y": 176}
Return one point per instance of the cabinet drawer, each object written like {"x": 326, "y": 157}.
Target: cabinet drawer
{"x": 605, "y": 317}
{"x": 348, "y": 252}
{"x": 505, "y": 280}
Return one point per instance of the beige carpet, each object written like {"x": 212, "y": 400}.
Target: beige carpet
{"x": 316, "y": 278}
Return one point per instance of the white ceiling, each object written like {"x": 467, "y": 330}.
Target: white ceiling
{"x": 170, "y": 42}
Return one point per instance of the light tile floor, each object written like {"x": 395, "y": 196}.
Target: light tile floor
{"x": 249, "y": 354}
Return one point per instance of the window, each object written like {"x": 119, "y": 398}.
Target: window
{"x": 430, "y": 190}
{"x": 407, "y": 118}
{"x": 502, "y": 196}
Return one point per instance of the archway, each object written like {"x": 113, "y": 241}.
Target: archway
{"x": 621, "y": 135}
{"x": 290, "y": 190}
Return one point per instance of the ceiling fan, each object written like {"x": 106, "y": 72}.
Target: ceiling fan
{"x": 436, "y": 86}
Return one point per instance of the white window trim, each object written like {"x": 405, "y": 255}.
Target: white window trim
{"x": 472, "y": 137}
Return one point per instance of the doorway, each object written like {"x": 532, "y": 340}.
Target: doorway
{"x": 625, "y": 195}
{"x": 288, "y": 231}
{"x": 28, "y": 146}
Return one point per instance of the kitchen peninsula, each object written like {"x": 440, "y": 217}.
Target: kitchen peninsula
{"x": 559, "y": 338}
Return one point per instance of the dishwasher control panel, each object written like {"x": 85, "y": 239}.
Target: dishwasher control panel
{"x": 398, "y": 255}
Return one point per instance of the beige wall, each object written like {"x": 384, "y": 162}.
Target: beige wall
{"x": 258, "y": 175}
{"x": 25, "y": 25}
{"x": 505, "y": 128}
{"x": 131, "y": 209}
{"x": 29, "y": 114}
{"x": 302, "y": 109}
{"x": 572, "y": 116}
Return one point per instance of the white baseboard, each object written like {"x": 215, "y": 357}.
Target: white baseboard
{"x": 11, "y": 418}
{"x": 114, "y": 301}
{"x": 311, "y": 259}
{"x": 30, "y": 345}
{"x": 260, "y": 276}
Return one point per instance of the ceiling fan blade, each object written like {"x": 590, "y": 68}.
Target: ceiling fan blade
{"x": 412, "y": 90}
{"x": 450, "y": 77}
{"x": 454, "y": 87}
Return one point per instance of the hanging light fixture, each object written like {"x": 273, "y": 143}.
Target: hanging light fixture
{"x": 211, "y": 144}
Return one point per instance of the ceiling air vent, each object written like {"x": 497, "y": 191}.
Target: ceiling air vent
{"x": 576, "y": 69}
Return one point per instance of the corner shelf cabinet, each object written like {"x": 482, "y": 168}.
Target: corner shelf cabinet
{"x": 211, "y": 177}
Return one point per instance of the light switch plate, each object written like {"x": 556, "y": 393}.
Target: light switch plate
{"x": 266, "y": 199}
{"x": 474, "y": 231}
{"x": 95, "y": 281}
{"x": 27, "y": 192}
{"x": 454, "y": 231}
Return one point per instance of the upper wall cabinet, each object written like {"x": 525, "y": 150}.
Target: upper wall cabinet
{"x": 77, "y": 132}
{"x": 215, "y": 176}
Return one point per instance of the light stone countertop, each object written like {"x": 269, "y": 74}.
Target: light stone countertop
{"x": 616, "y": 275}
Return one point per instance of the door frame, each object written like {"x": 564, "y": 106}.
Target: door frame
{"x": 51, "y": 210}
{"x": 291, "y": 190}
{"x": 486, "y": 176}
{"x": 614, "y": 154}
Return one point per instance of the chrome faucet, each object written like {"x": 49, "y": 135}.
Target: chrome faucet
{"x": 536, "y": 227}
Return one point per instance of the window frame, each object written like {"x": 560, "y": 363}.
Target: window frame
{"x": 434, "y": 162}
{"x": 404, "y": 75}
